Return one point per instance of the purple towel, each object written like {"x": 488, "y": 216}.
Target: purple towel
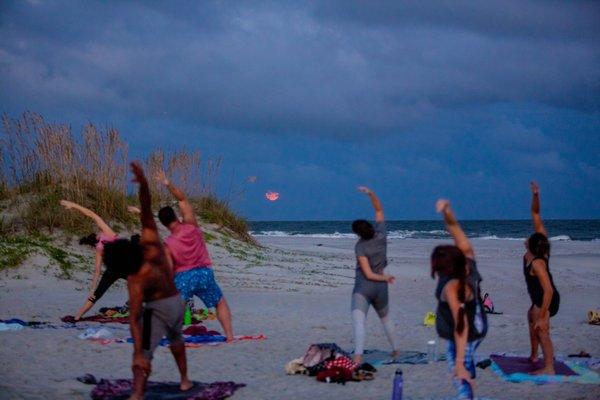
{"x": 117, "y": 389}
{"x": 510, "y": 365}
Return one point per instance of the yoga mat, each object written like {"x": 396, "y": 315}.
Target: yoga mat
{"x": 379, "y": 357}
{"x": 511, "y": 365}
{"x": 578, "y": 372}
{"x": 117, "y": 389}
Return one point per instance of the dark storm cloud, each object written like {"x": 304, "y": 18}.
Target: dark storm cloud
{"x": 319, "y": 68}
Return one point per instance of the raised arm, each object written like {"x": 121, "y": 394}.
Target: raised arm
{"x": 375, "y": 201}
{"x": 103, "y": 226}
{"x": 460, "y": 238}
{"x": 149, "y": 237}
{"x": 535, "y": 209}
{"x": 187, "y": 211}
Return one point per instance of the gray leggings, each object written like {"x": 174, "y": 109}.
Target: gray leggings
{"x": 360, "y": 307}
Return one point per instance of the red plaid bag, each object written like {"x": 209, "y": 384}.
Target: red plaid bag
{"x": 342, "y": 362}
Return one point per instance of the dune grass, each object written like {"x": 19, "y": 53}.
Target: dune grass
{"x": 42, "y": 163}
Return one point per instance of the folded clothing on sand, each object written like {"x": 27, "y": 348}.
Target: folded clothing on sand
{"x": 116, "y": 389}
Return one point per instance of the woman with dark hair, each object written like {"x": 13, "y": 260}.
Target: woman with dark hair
{"x": 460, "y": 318}
{"x": 545, "y": 299}
{"x": 371, "y": 284}
{"x": 106, "y": 235}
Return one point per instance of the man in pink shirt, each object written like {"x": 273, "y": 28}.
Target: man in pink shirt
{"x": 187, "y": 251}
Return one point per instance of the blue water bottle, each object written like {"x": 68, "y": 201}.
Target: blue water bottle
{"x": 397, "y": 390}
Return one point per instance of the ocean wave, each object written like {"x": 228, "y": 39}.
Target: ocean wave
{"x": 397, "y": 234}
{"x": 560, "y": 238}
{"x": 494, "y": 237}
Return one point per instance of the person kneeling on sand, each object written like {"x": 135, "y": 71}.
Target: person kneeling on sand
{"x": 187, "y": 252}
{"x": 545, "y": 299}
{"x": 156, "y": 309}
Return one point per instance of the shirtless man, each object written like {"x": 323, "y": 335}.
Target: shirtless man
{"x": 156, "y": 308}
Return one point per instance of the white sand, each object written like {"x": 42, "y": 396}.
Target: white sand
{"x": 298, "y": 293}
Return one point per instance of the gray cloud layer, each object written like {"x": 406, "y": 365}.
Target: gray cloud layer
{"x": 325, "y": 67}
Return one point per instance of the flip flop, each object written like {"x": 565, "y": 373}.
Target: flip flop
{"x": 88, "y": 379}
{"x": 581, "y": 354}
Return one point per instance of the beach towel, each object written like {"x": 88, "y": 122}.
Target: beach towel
{"x": 380, "y": 357}
{"x": 117, "y": 389}
{"x": 96, "y": 318}
{"x": 191, "y": 341}
{"x": 518, "y": 369}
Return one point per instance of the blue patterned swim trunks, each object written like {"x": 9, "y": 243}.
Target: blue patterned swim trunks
{"x": 199, "y": 281}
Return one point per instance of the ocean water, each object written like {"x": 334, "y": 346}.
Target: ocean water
{"x": 584, "y": 230}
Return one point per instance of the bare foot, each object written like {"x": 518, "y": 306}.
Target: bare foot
{"x": 544, "y": 371}
{"x": 357, "y": 358}
{"x": 186, "y": 384}
{"x": 533, "y": 359}
{"x": 230, "y": 339}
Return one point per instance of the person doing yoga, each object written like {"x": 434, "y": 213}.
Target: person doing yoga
{"x": 106, "y": 235}
{"x": 460, "y": 318}
{"x": 371, "y": 283}
{"x": 545, "y": 299}
{"x": 187, "y": 252}
{"x": 156, "y": 308}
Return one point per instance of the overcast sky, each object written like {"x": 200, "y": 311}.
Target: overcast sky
{"x": 462, "y": 99}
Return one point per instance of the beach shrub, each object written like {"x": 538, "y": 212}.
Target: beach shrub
{"x": 15, "y": 249}
{"x": 42, "y": 163}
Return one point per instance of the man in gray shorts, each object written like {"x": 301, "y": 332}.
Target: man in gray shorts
{"x": 371, "y": 283}
{"x": 149, "y": 281}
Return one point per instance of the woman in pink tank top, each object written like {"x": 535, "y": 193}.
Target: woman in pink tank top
{"x": 106, "y": 235}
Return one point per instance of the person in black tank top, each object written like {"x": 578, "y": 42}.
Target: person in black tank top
{"x": 545, "y": 299}
{"x": 457, "y": 293}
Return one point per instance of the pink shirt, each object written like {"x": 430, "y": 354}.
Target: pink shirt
{"x": 103, "y": 239}
{"x": 187, "y": 247}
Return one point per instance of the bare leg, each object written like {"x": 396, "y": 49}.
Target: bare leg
{"x": 86, "y": 307}
{"x": 224, "y": 317}
{"x": 178, "y": 351}
{"x": 532, "y": 315}
{"x": 139, "y": 383}
{"x": 548, "y": 349}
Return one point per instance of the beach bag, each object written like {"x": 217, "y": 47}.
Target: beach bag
{"x": 315, "y": 355}
{"x": 334, "y": 375}
{"x": 342, "y": 362}
{"x": 319, "y": 352}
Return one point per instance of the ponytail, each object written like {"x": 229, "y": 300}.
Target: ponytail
{"x": 460, "y": 325}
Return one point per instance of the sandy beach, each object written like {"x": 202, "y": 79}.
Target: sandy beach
{"x": 296, "y": 291}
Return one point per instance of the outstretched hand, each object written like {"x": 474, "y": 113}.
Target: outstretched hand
{"x": 461, "y": 372}
{"x": 442, "y": 205}
{"x": 535, "y": 189}
{"x": 161, "y": 177}
{"x": 364, "y": 189}
{"x": 138, "y": 172}
{"x": 67, "y": 204}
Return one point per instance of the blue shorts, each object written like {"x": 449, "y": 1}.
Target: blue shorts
{"x": 199, "y": 281}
